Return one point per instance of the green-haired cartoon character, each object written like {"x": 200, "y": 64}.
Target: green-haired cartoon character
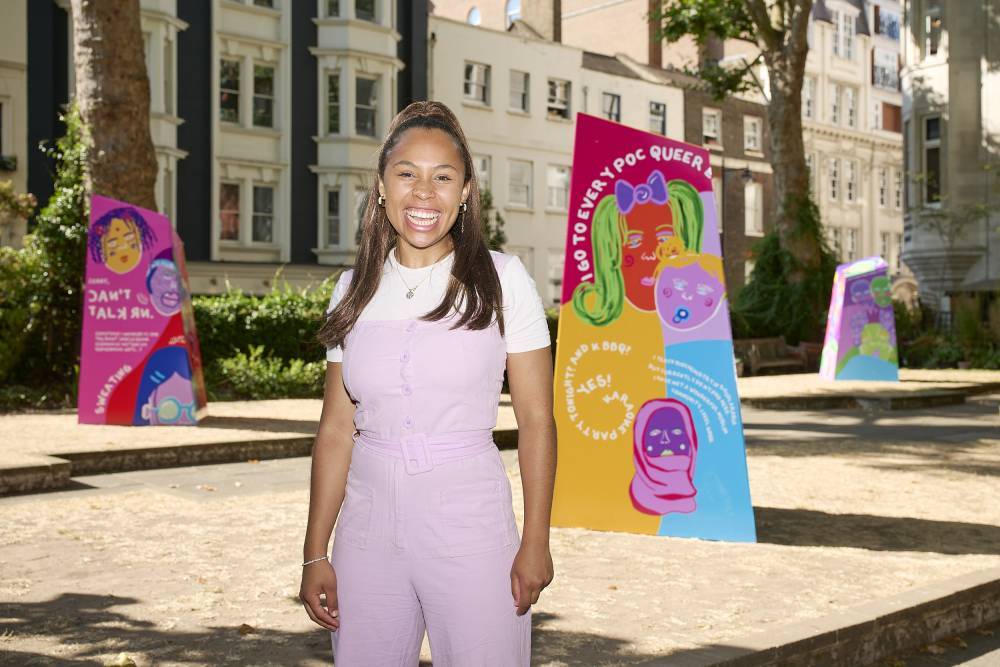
{"x": 625, "y": 232}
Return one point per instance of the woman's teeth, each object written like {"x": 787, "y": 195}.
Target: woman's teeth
{"x": 423, "y": 218}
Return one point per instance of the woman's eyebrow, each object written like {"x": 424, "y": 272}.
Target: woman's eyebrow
{"x": 410, "y": 164}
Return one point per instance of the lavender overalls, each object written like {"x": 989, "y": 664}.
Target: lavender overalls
{"x": 426, "y": 536}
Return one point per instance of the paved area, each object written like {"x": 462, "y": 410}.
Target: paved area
{"x": 200, "y": 565}
{"x": 978, "y": 648}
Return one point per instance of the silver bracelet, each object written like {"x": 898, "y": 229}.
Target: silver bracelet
{"x": 315, "y": 560}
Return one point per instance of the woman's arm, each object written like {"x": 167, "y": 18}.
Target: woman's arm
{"x": 331, "y": 458}
{"x": 529, "y": 375}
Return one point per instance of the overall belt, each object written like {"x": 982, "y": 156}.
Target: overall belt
{"x": 421, "y": 452}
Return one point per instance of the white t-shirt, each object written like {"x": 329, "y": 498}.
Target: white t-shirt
{"x": 524, "y": 315}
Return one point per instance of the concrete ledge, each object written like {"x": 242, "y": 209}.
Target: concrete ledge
{"x": 57, "y": 474}
{"x": 878, "y": 629}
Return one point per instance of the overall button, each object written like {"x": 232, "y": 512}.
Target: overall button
{"x": 407, "y": 390}
{"x": 408, "y": 422}
{"x": 405, "y": 356}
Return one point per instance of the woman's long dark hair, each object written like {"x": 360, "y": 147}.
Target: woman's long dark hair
{"x": 474, "y": 286}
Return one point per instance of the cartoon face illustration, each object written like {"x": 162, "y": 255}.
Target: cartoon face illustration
{"x": 119, "y": 238}
{"x": 875, "y": 341}
{"x": 121, "y": 246}
{"x": 689, "y": 291}
{"x": 164, "y": 285}
{"x": 664, "y": 449}
{"x": 649, "y": 222}
{"x": 860, "y": 291}
{"x": 666, "y": 435}
{"x": 881, "y": 291}
{"x": 172, "y": 402}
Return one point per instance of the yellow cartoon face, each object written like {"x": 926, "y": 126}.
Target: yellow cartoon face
{"x": 121, "y": 246}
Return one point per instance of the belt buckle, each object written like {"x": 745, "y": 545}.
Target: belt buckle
{"x": 416, "y": 457}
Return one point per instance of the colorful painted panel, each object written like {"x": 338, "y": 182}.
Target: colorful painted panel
{"x": 650, "y": 433}
{"x": 139, "y": 358}
{"x": 861, "y": 325}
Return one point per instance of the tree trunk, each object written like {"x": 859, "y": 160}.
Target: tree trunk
{"x": 785, "y": 57}
{"x": 112, "y": 91}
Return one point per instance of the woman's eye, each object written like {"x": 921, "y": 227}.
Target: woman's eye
{"x": 444, "y": 178}
{"x": 405, "y": 174}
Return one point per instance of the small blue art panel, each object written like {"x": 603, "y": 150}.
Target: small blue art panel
{"x": 861, "y": 326}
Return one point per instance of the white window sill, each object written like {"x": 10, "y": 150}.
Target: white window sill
{"x": 752, "y": 232}
{"x": 519, "y": 112}
{"x": 558, "y": 119}
{"x": 251, "y": 246}
{"x": 252, "y": 8}
{"x": 750, "y": 152}
{"x": 252, "y": 130}
{"x": 476, "y": 104}
{"x": 519, "y": 207}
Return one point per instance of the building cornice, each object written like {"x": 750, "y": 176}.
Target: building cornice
{"x": 360, "y": 55}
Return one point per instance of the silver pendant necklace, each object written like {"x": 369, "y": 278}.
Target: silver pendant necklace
{"x": 411, "y": 290}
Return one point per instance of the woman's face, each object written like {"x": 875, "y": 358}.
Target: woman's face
{"x": 424, "y": 185}
{"x": 649, "y": 225}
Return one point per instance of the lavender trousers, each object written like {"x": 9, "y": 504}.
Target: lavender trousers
{"x": 425, "y": 541}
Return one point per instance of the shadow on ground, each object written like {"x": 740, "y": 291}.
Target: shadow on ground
{"x": 808, "y": 528}
{"x": 86, "y": 627}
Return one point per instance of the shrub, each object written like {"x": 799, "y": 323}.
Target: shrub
{"x": 254, "y": 376}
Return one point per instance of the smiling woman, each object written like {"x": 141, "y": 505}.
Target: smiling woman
{"x": 418, "y": 336}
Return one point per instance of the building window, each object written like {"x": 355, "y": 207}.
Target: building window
{"x": 883, "y": 187}
{"x": 263, "y": 96}
{"x": 658, "y": 118}
{"x": 229, "y": 91}
{"x": 932, "y": 27}
{"x": 932, "y": 159}
{"x": 843, "y": 34}
{"x": 365, "y": 10}
{"x": 264, "y": 3}
{"x": 482, "y": 166}
{"x": 332, "y": 8}
{"x": 748, "y": 265}
{"x": 850, "y": 180}
{"x": 519, "y": 190}
{"x": 897, "y": 250}
{"x": 711, "y": 127}
{"x": 366, "y": 108}
{"x": 835, "y": 104}
{"x": 611, "y": 106}
{"x": 886, "y": 23}
{"x": 851, "y": 106}
{"x": 558, "y": 103}
{"x": 477, "y": 82}
{"x": 850, "y": 244}
{"x": 333, "y": 103}
{"x": 897, "y": 189}
{"x": 884, "y": 239}
{"x": 835, "y": 179}
{"x": 808, "y": 97}
{"x": 811, "y": 167}
{"x": 512, "y": 12}
{"x": 519, "y": 90}
{"x": 263, "y": 213}
{"x": 474, "y": 17}
{"x": 558, "y": 187}
{"x": 752, "y": 127}
{"x": 557, "y": 260}
{"x": 907, "y": 161}
{"x": 885, "y": 70}
{"x": 333, "y": 217}
{"x": 753, "y": 209}
{"x": 229, "y": 211}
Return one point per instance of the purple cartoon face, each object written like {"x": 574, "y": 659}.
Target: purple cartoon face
{"x": 666, "y": 434}
{"x": 164, "y": 286}
{"x": 687, "y": 296}
{"x": 860, "y": 291}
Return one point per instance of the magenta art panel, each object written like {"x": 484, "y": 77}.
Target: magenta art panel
{"x": 139, "y": 359}
{"x": 650, "y": 434}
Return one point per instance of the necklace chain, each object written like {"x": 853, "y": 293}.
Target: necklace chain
{"x": 411, "y": 290}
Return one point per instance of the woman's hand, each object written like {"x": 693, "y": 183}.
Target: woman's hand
{"x": 531, "y": 572}
{"x": 319, "y": 578}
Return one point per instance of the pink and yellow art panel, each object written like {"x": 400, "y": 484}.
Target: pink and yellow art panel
{"x": 650, "y": 433}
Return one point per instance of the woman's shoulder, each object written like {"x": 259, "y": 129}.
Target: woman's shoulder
{"x": 501, "y": 260}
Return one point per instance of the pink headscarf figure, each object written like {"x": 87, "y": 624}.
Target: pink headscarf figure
{"x": 664, "y": 448}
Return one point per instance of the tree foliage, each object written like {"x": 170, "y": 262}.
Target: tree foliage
{"x": 491, "y": 221}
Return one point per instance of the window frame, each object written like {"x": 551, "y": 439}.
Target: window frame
{"x": 329, "y": 217}
{"x": 809, "y": 100}
{"x": 238, "y": 185}
{"x": 374, "y": 14}
{"x": 328, "y": 106}
{"x": 850, "y": 181}
{"x": 615, "y": 113}
{"x": 662, "y": 119}
{"x": 754, "y": 226}
{"x": 708, "y": 140}
{"x": 524, "y": 93}
{"x": 467, "y": 82}
{"x": 833, "y": 180}
{"x": 928, "y": 145}
{"x": 556, "y": 168}
{"x": 273, "y": 97}
{"x": 527, "y": 185}
{"x": 757, "y": 123}
{"x": 555, "y": 108}
{"x": 375, "y": 80}
{"x": 236, "y": 93}
{"x": 254, "y": 214}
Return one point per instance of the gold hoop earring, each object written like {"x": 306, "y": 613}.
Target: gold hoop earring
{"x": 381, "y": 200}
{"x": 464, "y": 207}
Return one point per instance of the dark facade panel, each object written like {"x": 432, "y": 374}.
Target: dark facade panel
{"x": 48, "y": 90}
{"x": 412, "y": 85}
{"x": 305, "y": 98}
{"x": 194, "y": 106}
